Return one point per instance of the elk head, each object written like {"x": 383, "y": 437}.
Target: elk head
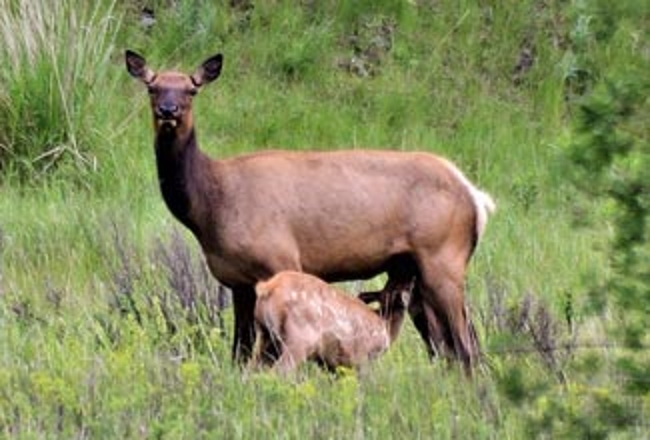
{"x": 171, "y": 92}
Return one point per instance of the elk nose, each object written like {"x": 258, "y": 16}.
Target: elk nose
{"x": 167, "y": 110}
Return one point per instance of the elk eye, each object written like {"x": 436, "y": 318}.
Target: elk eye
{"x": 193, "y": 91}
{"x": 152, "y": 90}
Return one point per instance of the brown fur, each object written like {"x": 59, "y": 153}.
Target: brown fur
{"x": 339, "y": 215}
{"x": 307, "y": 319}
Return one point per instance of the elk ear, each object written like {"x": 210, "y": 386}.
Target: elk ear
{"x": 208, "y": 71}
{"x": 137, "y": 67}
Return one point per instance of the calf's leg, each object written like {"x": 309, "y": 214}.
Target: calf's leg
{"x": 268, "y": 348}
{"x": 292, "y": 355}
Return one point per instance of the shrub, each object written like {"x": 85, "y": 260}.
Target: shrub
{"x": 53, "y": 56}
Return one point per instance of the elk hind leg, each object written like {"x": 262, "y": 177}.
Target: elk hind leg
{"x": 444, "y": 307}
{"x": 401, "y": 273}
{"x": 426, "y": 323}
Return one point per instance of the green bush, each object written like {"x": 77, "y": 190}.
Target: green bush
{"x": 610, "y": 158}
{"x": 54, "y": 57}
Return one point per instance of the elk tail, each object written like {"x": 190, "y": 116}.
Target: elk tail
{"x": 483, "y": 202}
{"x": 485, "y": 206}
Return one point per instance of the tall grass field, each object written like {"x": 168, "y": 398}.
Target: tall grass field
{"x": 112, "y": 327}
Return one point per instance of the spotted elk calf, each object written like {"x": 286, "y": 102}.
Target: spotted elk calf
{"x": 304, "y": 318}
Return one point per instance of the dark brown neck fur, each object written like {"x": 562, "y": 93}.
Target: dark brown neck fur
{"x": 179, "y": 163}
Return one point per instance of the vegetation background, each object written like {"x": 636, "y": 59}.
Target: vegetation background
{"x": 110, "y": 326}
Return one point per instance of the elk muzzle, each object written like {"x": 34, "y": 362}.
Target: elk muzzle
{"x": 167, "y": 114}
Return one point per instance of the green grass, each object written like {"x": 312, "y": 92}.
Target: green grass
{"x": 95, "y": 339}
{"x": 51, "y": 83}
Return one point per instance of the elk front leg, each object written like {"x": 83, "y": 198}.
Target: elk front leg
{"x": 243, "y": 298}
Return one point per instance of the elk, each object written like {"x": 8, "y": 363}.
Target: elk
{"x": 339, "y": 215}
{"x": 304, "y": 318}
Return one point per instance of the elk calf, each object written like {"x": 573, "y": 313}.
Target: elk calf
{"x": 307, "y": 319}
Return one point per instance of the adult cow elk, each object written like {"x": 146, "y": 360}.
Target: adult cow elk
{"x": 339, "y": 215}
{"x": 304, "y": 318}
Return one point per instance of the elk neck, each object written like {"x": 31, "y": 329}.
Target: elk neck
{"x": 182, "y": 168}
